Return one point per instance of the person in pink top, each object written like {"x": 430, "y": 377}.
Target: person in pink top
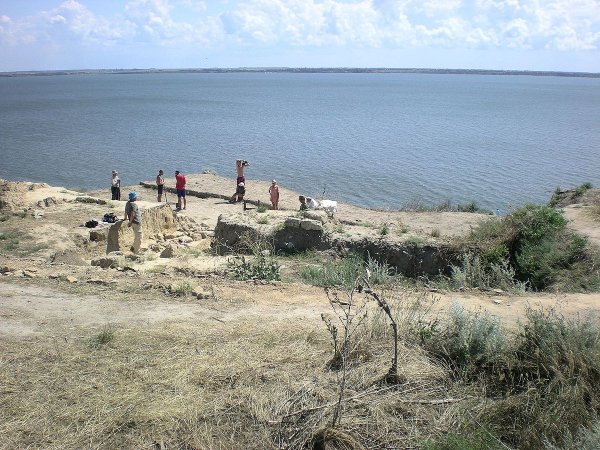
{"x": 180, "y": 186}
{"x": 274, "y": 193}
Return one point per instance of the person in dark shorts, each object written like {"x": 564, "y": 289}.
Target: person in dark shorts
{"x": 160, "y": 185}
{"x": 115, "y": 187}
{"x": 240, "y": 183}
{"x": 180, "y": 186}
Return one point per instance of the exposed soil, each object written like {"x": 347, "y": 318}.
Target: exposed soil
{"x": 40, "y": 298}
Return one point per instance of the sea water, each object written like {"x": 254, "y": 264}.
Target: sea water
{"x": 377, "y": 140}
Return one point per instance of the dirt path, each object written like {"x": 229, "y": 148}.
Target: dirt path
{"x": 28, "y": 311}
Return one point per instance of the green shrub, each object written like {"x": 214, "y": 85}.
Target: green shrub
{"x": 551, "y": 372}
{"x": 469, "y": 342}
{"x": 261, "y": 208}
{"x": 541, "y": 381}
{"x": 477, "y": 272}
{"x": 542, "y": 252}
{"x": 435, "y": 233}
{"x": 541, "y": 262}
{"x": 263, "y": 220}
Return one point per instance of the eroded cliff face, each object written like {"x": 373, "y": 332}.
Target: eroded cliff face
{"x": 156, "y": 221}
{"x": 235, "y": 233}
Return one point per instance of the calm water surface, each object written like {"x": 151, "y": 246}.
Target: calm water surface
{"x": 379, "y": 140}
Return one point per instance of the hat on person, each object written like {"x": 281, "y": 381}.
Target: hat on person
{"x": 273, "y": 182}
{"x": 132, "y": 195}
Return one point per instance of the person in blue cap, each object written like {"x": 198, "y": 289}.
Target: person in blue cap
{"x": 133, "y": 216}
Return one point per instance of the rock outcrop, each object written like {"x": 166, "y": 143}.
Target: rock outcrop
{"x": 156, "y": 221}
{"x": 295, "y": 234}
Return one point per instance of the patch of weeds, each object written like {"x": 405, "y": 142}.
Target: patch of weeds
{"x": 264, "y": 220}
{"x": 259, "y": 267}
{"x": 339, "y": 229}
{"x": 384, "y": 229}
{"x": 580, "y": 190}
{"x": 104, "y": 337}
{"x": 150, "y": 257}
{"x": 468, "y": 342}
{"x": 195, "y": 252}
{"x": 4, "y": 217}
{"x": 435, "y": 233}
{"x": 475, "y": 272}
{"x": 261, "y": 208}
{"x": 403, "y": 228}
{"x": 540, "y": 379}
{"x": 19, "y": 243}
{"x": 21, "y": 214}
{"x": 182, "y": 289}
{"x": 343, "y": 272}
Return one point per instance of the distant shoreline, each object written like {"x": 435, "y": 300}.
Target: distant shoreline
{"x": 535, "y": 73}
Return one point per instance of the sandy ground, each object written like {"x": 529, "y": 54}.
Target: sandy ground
{"x": 32, "y": 305}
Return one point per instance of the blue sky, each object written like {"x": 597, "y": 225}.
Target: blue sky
{"x": 475, "y": 34}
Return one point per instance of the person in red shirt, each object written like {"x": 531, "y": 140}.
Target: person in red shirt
{"x": 180, "y": 186}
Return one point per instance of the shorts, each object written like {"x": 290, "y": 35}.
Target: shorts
{"x": 160, "y": 189}
{"x": 180, "y": 192}
{"x": 240, "y": 180}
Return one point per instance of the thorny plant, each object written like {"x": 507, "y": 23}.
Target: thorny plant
{"x": 351, "y": 312}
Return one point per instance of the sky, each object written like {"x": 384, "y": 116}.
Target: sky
{"x": 561, "y": 35}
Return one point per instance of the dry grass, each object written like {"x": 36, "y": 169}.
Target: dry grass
{"x": 214, "y": 385}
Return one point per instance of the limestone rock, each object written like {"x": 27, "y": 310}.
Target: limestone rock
{"x": 98, "y": 235}
{"x": 48, "y": 201}
{"x": 69, "y": 257}
{"x": 200, "y": 293}
{"x": 71, "y": 279}
{"x": 107, "y": 262}
{"x": 156, "y": 221}
{"x": 293, "y": 222}
{"x": 168, "y": 252}
{"x": 88, "y": 199}
{"x": 309, "y": 224}
{"x": 37, "y": 214}
{"x": 320, "y": 216}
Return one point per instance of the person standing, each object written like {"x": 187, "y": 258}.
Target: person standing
{"x": 160, "y": 184}
{"x": 274, "y": 193}
{"x": 180, "y": 186}
{"x": 115, "y": 187}
{"x": 133, "y": 216}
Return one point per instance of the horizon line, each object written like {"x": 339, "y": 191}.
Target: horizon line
{"x": 284, "y": 69}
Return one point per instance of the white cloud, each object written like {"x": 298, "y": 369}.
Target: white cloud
{"x": 563, "y": 25}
